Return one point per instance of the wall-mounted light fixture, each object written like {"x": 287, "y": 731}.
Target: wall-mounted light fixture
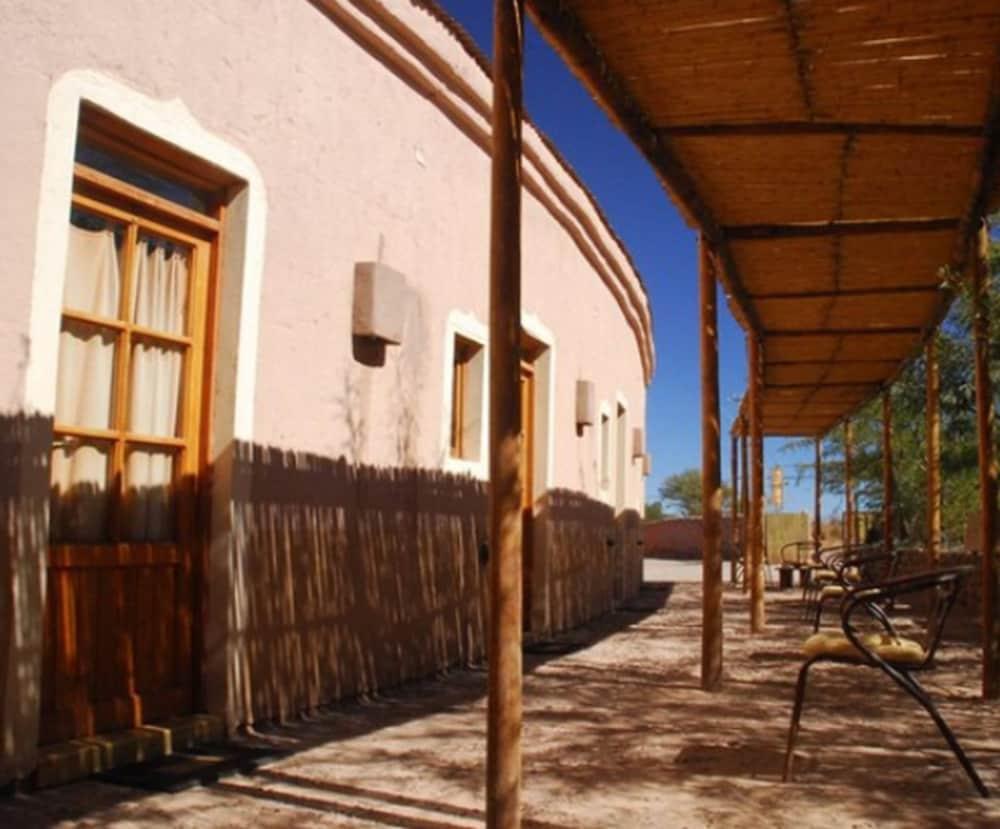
{"x": 647, "y": 465}
{"x": 638, "y": 443}
{"x": 379, "y": 303}
{"x": 586, "y": 404}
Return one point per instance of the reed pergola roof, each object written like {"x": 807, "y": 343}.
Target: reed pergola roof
{"x": 837, "y": 154}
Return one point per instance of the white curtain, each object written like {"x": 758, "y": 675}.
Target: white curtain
{"x": 84, "y": 384}
{"x": 160, "y": 280}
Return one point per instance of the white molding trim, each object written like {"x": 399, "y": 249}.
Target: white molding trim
{"x": 464, "y": 324}
{"x": 171, "y": 122}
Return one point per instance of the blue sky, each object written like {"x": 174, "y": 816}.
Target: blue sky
{"x": 664, "y": 249}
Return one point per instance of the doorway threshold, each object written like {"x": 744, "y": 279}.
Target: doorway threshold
{"x": 61, "y": 763}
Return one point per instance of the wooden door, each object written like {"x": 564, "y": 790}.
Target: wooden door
{"x": 527, "y": 485}
{"x": 126, "y": 460}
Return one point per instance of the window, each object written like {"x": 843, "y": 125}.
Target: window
{"x": 467, "y": 400}
{"x": 128, "y": 385}
{"x": 605, "y": 451}
{"x": 621, "y": 465}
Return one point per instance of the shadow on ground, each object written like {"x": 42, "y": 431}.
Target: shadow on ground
{"x": 616, "y": 733}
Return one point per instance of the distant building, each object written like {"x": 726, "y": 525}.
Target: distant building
{"x": 243, "y": 352}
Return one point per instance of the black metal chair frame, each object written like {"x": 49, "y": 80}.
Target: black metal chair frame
{"x": 828, "y": 558}
{"x": 871, "y": 600}
{"x": 863, "y": 566}
{"x": 795, "y": 560}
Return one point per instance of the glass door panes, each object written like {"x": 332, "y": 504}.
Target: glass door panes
{"x": 124, "y": 378}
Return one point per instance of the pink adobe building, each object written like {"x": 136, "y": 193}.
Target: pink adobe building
{"x": 242, "y": 365}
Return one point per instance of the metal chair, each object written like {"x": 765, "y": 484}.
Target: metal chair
{"x": 896, "y": 656}
{"x": 795, "y": 557}
{"x": 824, "y": 569}
{"x": 853, "y": 572}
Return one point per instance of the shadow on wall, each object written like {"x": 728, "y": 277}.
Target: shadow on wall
{"x": 586, "y": 559}
{"x": 347, "y": 579}
{"x": 24, "y": 480}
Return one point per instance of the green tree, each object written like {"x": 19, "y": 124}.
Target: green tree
{"x": 682, "y": 491}
{"x": 654, "y": 510}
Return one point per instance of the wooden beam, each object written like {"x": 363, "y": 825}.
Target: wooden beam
{"x": 861, "y": 292}
{"x": 821, "y": 385}
{"x": 834, "y": 128}
{"x": 756, "y": 380}
{"x": 504, "y": 709}
{"x": 573, "y": 43}
{"x": 711, "y": 484}
{"x": 862, "y": 227}
{"x": 734, "y": 504}
{"x": 818, "y": 497}
{"x": 987, "y": 464}
{"x": 843, "y": 332}
{"x": 814, "y": 362}
{"x": 933, "y": 403}
{"x": 745, "y": 505}
{"x": 888, "y": 476}
{"x": 848, "y": 484}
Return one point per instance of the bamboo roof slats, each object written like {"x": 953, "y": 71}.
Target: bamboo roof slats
{"x": 836, "y": 152}
{"x": 864, "y": 263}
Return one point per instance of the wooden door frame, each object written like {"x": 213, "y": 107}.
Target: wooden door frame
{"x": 104, "y": 195}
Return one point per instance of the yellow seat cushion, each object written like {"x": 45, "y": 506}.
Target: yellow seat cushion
{"x": 889, "y": 648}
{"x": 831, "y": 591}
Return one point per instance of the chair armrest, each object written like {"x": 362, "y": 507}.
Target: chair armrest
{"x": 871, "y": 597}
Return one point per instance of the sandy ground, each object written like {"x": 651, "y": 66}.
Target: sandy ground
{"x": 617, "y": 733}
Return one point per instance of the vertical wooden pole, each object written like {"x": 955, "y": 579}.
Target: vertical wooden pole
{"x": 987, "y": 463}
{"x": 711, "y": 474}
{"x": 756, "y": 360}
{"x": 848, "y": 485}
{"x": 745, "y": 506}
{"x": 818, "y": 498}
{"x": 503, "y": 752}
{"x": 888, "y": 475}
{"x": 933, "y": 452}
{"x": 734, "y": 507}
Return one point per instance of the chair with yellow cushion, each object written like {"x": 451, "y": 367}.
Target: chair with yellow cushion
{"x": 897, "y": 656}
{"x": 852, "y": 572}
{"x": 825, "y": 569}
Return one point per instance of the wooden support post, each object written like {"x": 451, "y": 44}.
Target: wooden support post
{"x": 734, "y": 507}
{"x": 933, "y": 452}
{"x": 745, "y": 502}
{"x": 756, "y": 377}
{"x": 848, "y": 485}
{"x": 888, "y": 475}
{"x": 987, "y": 464}
{"x": 711, "y": 474}
{"x": 818, "y": 498}
{"x": 503, "y": 752}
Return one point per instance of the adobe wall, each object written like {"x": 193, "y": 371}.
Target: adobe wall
{"x": 344, "y": 554}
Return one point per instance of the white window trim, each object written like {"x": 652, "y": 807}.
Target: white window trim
{"x": 171, "y": 122}
{"x": 464, "y": 324}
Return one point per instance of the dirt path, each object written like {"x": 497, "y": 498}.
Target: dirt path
{"x": 617, "y": 734}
